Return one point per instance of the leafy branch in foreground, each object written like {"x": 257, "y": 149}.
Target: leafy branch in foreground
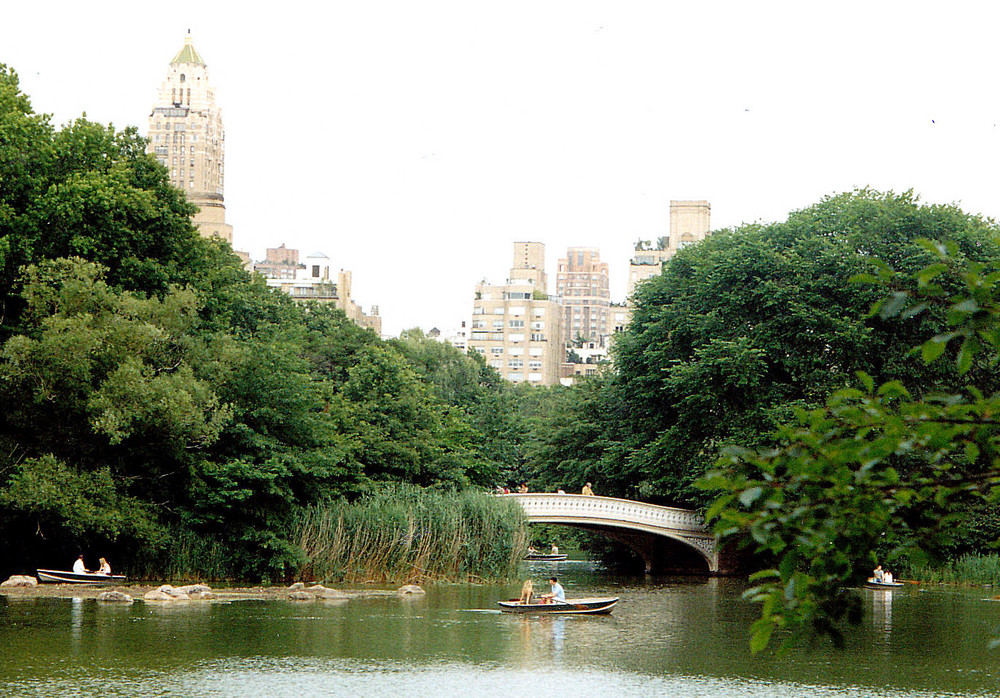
{"x": 877, "y": 470}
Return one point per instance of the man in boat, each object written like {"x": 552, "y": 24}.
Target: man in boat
{"x": 555, "y": 549}
{"x": 878, "y": 575}
{"x": 79, "y": 567}
{"x": 556, "y": 592}
{"x": 587, "y": 490}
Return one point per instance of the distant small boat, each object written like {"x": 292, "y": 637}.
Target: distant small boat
{"x": 872, "y": 584}
{"x": 545, "y": 557}
{"x": 589, "y": 605}
{"x": 62, "y": 577}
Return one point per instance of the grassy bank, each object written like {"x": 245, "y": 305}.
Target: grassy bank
{"x": 968, "y": 569}
{"x": 406, "y": 534}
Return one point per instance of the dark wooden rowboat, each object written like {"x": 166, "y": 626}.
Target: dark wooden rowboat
{"x": 63, "y": 577}
{"x": 545, "y": 557}
{"x": 589, "y": 605}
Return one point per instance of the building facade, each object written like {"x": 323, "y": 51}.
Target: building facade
{"x": 690, "y": 222}
{"x": 583, "y": 284}
{"x": 315, "y": 280}
{"x": 187, "y": 137}
{"x": 517, "y": 326}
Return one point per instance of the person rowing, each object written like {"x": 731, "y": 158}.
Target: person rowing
{"x": 556, "y": 592}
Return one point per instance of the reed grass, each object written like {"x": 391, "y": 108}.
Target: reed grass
{"x": 969, "y": 569}
{"x": 404, "y": 534}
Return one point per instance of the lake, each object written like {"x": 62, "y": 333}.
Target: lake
{"x": 677, "y": 636}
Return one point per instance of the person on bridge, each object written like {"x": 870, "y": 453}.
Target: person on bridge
{"x": 587, "y": 490}
{"x": 556, "y": 592}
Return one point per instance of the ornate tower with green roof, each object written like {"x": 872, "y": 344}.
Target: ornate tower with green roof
{"x": 186, "y": 135}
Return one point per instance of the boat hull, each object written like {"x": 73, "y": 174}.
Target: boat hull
{"x": 883, "y": 585}
{"x": 544, "y": 557}
{"x": 63, "y": 577}
{"x": 575, "y": 606}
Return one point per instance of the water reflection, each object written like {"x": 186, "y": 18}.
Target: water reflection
{"x": 678, "y": 636}
{"x": 882, "y": 609}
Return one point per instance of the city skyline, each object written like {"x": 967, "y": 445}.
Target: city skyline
{"x": 400, "y": 139}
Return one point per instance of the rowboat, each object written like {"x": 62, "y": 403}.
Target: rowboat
{"x": 62, "y": 577}
{"x": 872, "y": 584}
{"x": 545, "y": 557}
{"x": 588, "y": 605}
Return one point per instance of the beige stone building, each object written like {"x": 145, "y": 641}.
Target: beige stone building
{"x": 517, "y": 326}
{"x": 583, "y": 284}
{"x": 279, "y": 263}
{"x": 689, "y": 223}
{"x": 187, "y": 137}
{"x": 314, "y": 280}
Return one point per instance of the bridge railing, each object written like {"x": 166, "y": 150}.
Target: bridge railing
{"x": 611, "y": 509}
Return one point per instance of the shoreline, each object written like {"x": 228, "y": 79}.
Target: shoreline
{"x": 136, "y": 591}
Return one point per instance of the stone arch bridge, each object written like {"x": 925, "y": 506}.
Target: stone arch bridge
{"x": 667, "y": 539}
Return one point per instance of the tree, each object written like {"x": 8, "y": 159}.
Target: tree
{"x": 880, "y": 472}
{"x": 753, "y": 323}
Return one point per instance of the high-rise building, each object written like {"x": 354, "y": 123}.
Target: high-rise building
{"x": 517, "y": 326}
{"x": 582, "y": 282}
{"x": 186, "y": 136}
{"x": 689, "y": 223}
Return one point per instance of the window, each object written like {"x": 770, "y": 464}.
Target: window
{"x": 516, "y": 310}
{"x": 192, "y": 154}
{"x": 535, "y": 351}
{"x": 515, "y": 377}
{"x": 537, "y": 337}
{"x": 496, "y": 351}
{"x": 535, "y": 365}
{"x": 516, "y": 337}
{"x": 498, "y": 324}
{"x": 534, "y": 377}
{"x": 478, "y": 324}
{"x": 496, "y": 363}
{"x": 516, "y": 323}
{"x": 315, "y": 271}
{"x": 515, "y": 363}
{"x": 516, "y": 351}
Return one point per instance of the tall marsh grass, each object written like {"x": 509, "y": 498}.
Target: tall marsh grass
{"x": 968, "y": 569}
{"x": 407, "y": 534}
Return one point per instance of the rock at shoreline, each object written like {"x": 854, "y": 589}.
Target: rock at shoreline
{"x": 199, "y": 592}
{"x": 301, "y": 596}
{"x": 20, "y": 580}
{"x": 115, "y": 597}
{"x": 298, "y": 586}
{"x": 165, "y": 593}
{"x": 409, "y": 589}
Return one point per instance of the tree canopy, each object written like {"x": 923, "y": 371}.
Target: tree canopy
{"x": 162, "y": 404}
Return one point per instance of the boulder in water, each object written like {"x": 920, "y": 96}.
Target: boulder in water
{"x": 115, "y": 597}
{"x": 20, "y": 580}
{"x": 409, "y": 589}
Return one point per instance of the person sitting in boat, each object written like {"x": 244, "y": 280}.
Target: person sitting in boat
{"x": 526, "y": 591}
{"x": 555, "y": 549}
{"x": 556, "y": 592}
{"x": 79, "y": 567}
{"x": 878, "y": 575}
{"x": 587, "y": 490}
{"x": 531, "y": 549}
{"x": 887, "y": 577}
{"x": 105, "y": 568}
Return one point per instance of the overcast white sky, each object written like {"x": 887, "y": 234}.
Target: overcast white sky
{"x": 414, "y": 141}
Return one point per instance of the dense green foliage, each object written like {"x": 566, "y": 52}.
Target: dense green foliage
{"x": 740, "y": 331}
{"x": 164, "y": 408}
{"x": 404, "y": 534}
{"x": 880, "y": 473}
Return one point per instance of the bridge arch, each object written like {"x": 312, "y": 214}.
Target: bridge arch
{"x": 640, "y": 525}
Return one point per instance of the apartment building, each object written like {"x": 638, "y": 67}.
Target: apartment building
{"x": 583, "y": 284}
{"x": 517, "y": 326}
{"x": 187, "y": 137}
{"x": 690, "y": 221}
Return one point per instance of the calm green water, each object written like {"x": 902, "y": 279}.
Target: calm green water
{"x": 666, "y": 637}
